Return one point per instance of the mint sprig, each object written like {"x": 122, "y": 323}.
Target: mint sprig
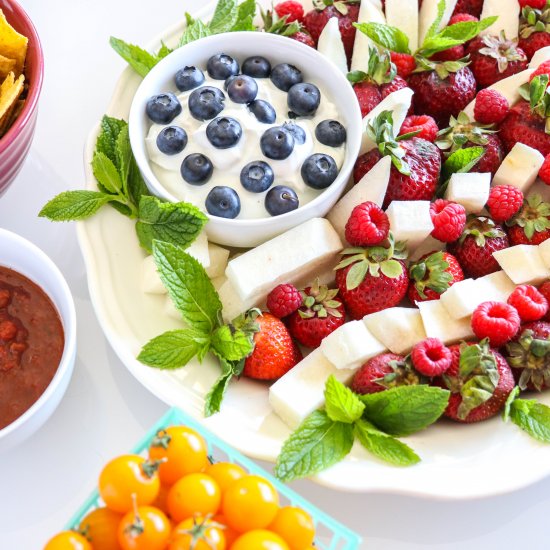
{"x": 386, "y": 36}
{"x": 529, "y": 415}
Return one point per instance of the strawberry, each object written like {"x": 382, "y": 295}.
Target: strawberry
{"x": 318, "y": 316}
{"x": 451, "y": 54}
{"x": 472, "y": 7}
{"x": 474, "y": 250}
{"x": 397, "y": 83}
{"x": 494, "y": 58}
{"x": 534, "y": 30}
{"x": 368, "y": 95}
{"x": 416, "y": 162}
{"x": 432, "y": 275}
{"x": 480, "y": 381}
{"x": 304, "y": 38}
{"x": 529, "y": 356}
{"x": 531, "y": 225}
{"x": 275, "y": 353}
{"x": 286, "y": 23}
{"x": 371, "y": 279}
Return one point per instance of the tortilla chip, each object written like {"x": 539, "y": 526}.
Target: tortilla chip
{"x": 6, "y": 66}
{"x": 10, "y": 90}
{"x": 12, "y": 44}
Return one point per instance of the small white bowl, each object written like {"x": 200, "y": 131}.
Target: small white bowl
{"x": 26, "y": 258}
{"x": 278, "y": 49}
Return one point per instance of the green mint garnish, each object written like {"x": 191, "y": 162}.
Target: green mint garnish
{"x": 386, "y": 36}
{"x": 342, "y": 405}
{"x": 74, "y": 205}
{"x": 462, "y": 160}
{"x": 529, "y": 415}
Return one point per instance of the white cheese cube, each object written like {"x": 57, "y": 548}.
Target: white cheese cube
{"x": 439, "y": 324}
{"x": 496, "y": 287}
{"x": 461, "y": 299}
{"x": 150, "y": 279}
{"x": 428, "y": 245}
{"x": 232, "y": 304}
{"x": 540, "y": 56}
{"x": 398, "y": 328}
{"x": 507, "y": 12}
{"x": 470, "y": 189}
{"x": 520, "y": 167}
{"x": 523, "y": 264}
{"x": 199, "y": 250}
{"x": 331, "y": 46}
{"x": 370, "y": 11}
{"x": 296, "y": 254}
{"x": 544, "y": 249}
{"x": 410, "y": 221}
{"x": 302, "y": 389}
{"x": 218, "y": 260}
{"x": 404, "y": 16}
{"x": 428, "y": 14}
{"x": 351, "y": 345}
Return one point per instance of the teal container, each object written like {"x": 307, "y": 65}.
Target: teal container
{"x": 330, "y": 534}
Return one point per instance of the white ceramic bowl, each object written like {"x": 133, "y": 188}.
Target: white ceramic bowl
{"x": 21, "y": 255}
{"x": 278, "y": 49}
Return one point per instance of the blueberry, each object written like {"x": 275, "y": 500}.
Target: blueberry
{"x": 263, "y": 111}
{"x": 223, "y": 202}
{"x": 163, "y": 108}
{"x": 188, "y": 78}
{"x": 331, "y": 133}
{"x": 224, "y": 132}
{"x": 256, "y": 66}
{"x": 276, "y": 143}
{"x": 196, "y": 169}
{"x": 297, "y": 131}
{"x": 284, "y": 76}
{"x": 228, "y": 81}
{"x": 206, "y": 102}
{"x": 172, "y": 140}
{"x": 242, "y": 89}
{"x": 319, "y": 171}
{"x": 257, "y": 176}
{"x": 303, "y": 99}
{"x": 221, "y": 66}
{"x": 280, "y": 200}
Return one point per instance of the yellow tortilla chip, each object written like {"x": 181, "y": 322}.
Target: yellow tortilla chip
{"x": 12, "y": 44}
{"x": 10, "y": 90}
{"x": 6, "y": 66}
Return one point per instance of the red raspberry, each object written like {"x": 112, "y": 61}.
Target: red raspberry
{"x": 544, "y": 289}
{"x": 293, "y": 9}
{"x": 530, "y": 304}
{"x": 450, "y": 54}
{"x": 543, "y": 68}
{"x": 490, "y": 107}
{"x": 544, "y": 172}
{"x": 368, "y": 224}
{"x": 462, "y": 18}
{"x": 504, "y": 202}
{"x": 404, "y": 63}
{"x": 304, "y": 38}
{"x": 449, "y": 219}
{"x": 426, "y": 124}
{"x": 284, "y": 300}
{"x": 497, "y": 321}
{"x": 535, "y": 4}
{"x": 431, "y": 357}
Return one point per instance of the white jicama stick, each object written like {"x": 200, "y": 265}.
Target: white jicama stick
{"x": 508, "y": 17}
{"x": 370, "y": 11}
{"x": 428, "y": 14}
{"x": 331, "y": 46}
{"x": 403, "y": 14}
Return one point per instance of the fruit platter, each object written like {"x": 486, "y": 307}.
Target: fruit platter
{"x": 323, "y": 231}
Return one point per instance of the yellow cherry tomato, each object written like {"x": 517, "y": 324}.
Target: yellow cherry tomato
{"x": 250, "y": 503}
{"x": 229, "y": 533}
{"x": 198, "y": 533}
{"x": 146, "y": 528}
{"x": 260, "y": 539}
{"x": 101, "y": 527}
{"x": 125, "y": 476}
{"x": 225, "y": 473}
{"x": 194, "y": 494}
{"x": 68, "y": 540}
{"x": 185, "y": 452}
{"x": 161, "y": 502}
{"x": 295, "y": 526}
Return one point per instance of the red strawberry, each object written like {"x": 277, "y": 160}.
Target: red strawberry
{"x": 544, "y": 172}
{"x": 531, "y": 225}
{"x": 275, "y": 353}
{"x": 318, "y": 316}
{"x": 529, "y": 356}
{"x": 473, "y": 7}
{"x": 543, "y": 68}
{"x": 461, "y": 18}
{"x": 368, "y": 95}
{"x": 373, "y": 279}
{"x": 451, "y": 54}
{"x": 432, "y": 275}
{"x": 477, "y": 366}
{"x": 287, "y": 23}
{"x": 494, "y": 58}
{"x": 397, "y": 83}
{"x": 474, "y": 250}
{"x": 534, "y": 30}
{"x": 304, "y": 38}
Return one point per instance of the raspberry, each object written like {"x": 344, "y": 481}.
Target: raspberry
{"x": 424, "y": 123}
{"x": 284, "y": 300}
{"x": 530, "y": 304}
{"x": 293, "y": 9}
{"x": 497, "y": 321}
{"x": 431, "y": 357}
{"x": 535, "y": 4}
{"x": 404, "y": 63}
{"x": 544, "y": 289}
{"x": 543, "y": 68}
{"x": 504, "y": 202}
{"x": 544, "y": 172}
{"x": 490, "y": 107}
{"x": 462, "y": 18}
{"x": 368, "y": 224}
{"x": 449, "y": 219}
{"x": 450, "y": 54}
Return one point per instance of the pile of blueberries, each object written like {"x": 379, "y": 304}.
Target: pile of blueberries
{"x": 277, "y": 142}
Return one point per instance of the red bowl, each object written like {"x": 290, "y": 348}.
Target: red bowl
{"x": 15, "y": 144}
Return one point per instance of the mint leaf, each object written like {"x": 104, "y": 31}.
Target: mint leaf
{"x": 194, "y": 32}
{"x": 232, "y": 344}
{"x": 225, "y": 16}
{"x": 214, "y": 397}
{"x": 384, "y": 446}
{"x": 406, "y": 409}
{"x": 341, "y": 404}
{"x": 316, "y": 444}
{"x": 438, "y": 44}
{"x": 139, "y": 59}
{"x": 136, "y": 186}
{"x": 507, "y": 406}
{"x": 386, "y": 36}
{"x": 434, "y": 28}
{"x": 164, "y": 50}
{"x": 106, "y": 142}
{"x": 124, "y": 156}
{"x": 106, "y": 174}
{"x": 173, "y": 349}
{"x": 532, "y": 417}
{"x": 177, "y": 223}
{"x": 245, "y": 17}
{"x": 74, "y": 205}
{"x": 188, "y": 285}
{"x": 467, "y": 30}
{"x": 462, "y": 160}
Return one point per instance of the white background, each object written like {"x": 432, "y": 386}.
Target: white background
{"x": 105, "y": 411}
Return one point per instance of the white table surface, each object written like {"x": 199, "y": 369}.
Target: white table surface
{"x": 105, "y": 410}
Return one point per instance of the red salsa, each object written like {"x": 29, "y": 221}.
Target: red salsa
{"x": 31, "y": 343}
